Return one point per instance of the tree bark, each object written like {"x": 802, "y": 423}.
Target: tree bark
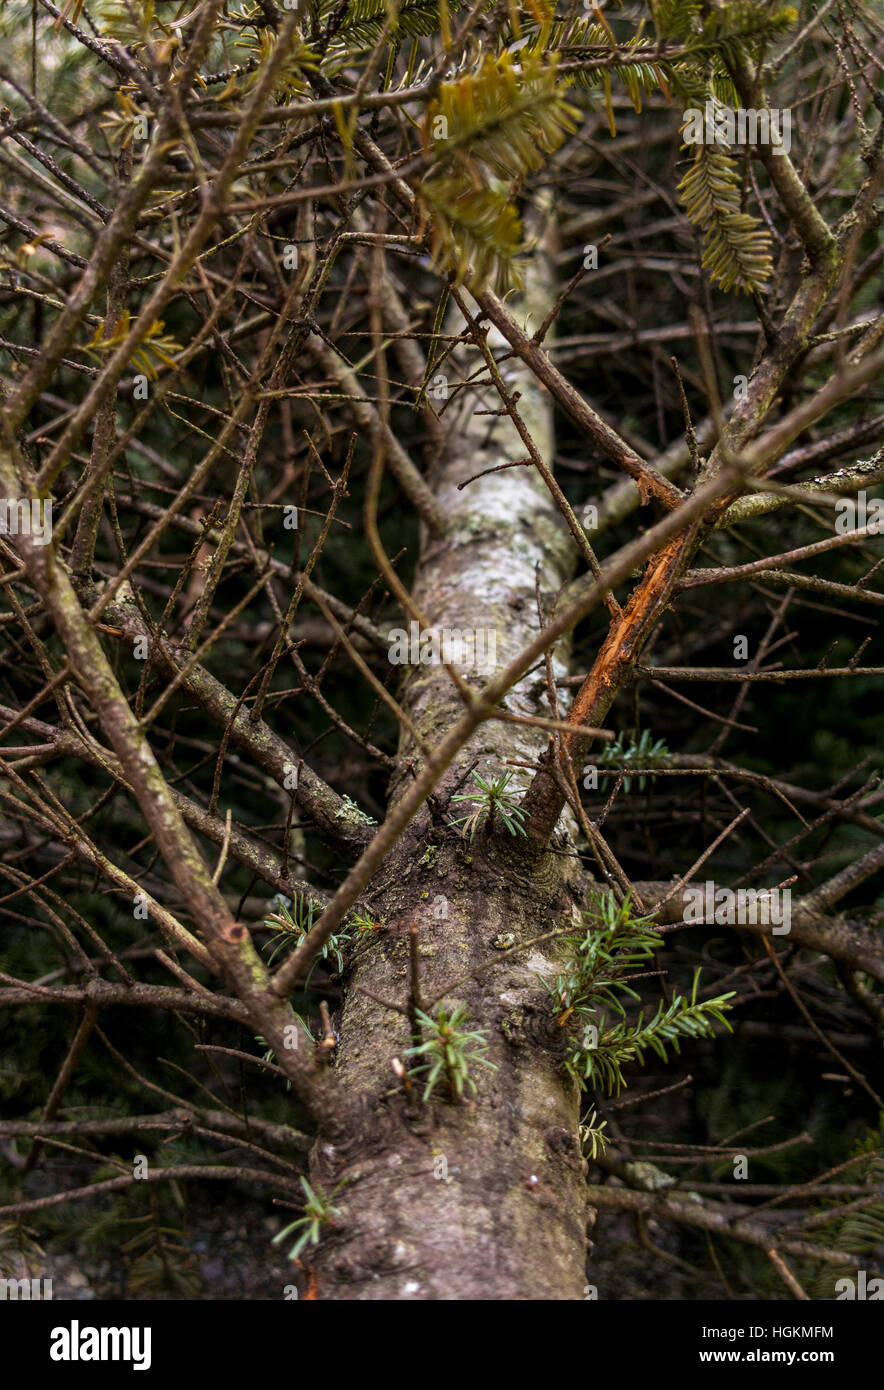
{"x": 481, "y": 1200}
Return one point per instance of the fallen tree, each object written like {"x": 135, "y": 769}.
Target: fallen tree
{"x": 374, "y": 766}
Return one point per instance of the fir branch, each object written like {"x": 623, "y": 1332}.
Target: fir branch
{"x": 736, "y": 250}
{"x": 483, "y": 133}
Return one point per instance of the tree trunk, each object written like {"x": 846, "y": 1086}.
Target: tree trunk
{"x": 482, "y": 1199}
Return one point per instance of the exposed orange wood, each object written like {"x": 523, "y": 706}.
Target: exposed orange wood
{"x": 627, "y": 634}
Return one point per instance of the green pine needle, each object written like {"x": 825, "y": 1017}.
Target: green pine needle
{"x": 448, "y": 1052}
{"x": 493, "y": 801}
{"x": 594, "y": 985}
